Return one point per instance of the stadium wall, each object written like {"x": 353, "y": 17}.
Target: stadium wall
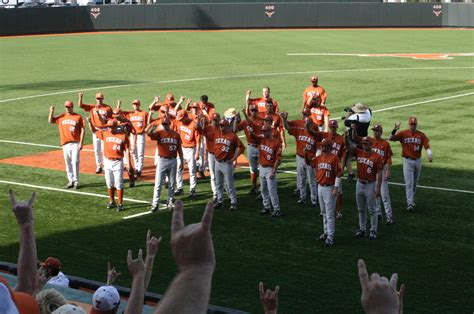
{"x": 41, "y": 20}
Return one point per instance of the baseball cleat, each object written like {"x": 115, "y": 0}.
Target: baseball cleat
{"x": 320, "y": 214}
{"x": 218, "y": 205}
{"x": 155, "y": 208}
{"x": 379, "y": 217}
{"x": 338, "y": 215}
{"x": 329, "y": 242}
{"x": 276, "y": 214}
{"x": 178, "y": 191}
{"x": 139, "y": 173}
{"x": 410, "y": 208}
{"x": 314, "y": 204}
{"x": 170, "y": 206}
{"x": 350, "y": 177}
{"x": 76, "y": 185}
{"x": 98, "y": 170}
{"x": 233, "y": 207}
{"x": 389, "y": 221}
{"x": 296, "y": 192}
{"x": 120, "y": 208}
{"x": 202, "y": 175}
{"x": 192, "y": 193}
{"x": 359, "y": 234}
{"x": 259, "y": 197}
{"x": 111, "y": 205}
{"x": 373, "y": 235}
{"x": 264, "y": 211}
{"x": 323, "y": 237}
{"x": 301, "y": 202}
{"x": 254, "y": 191}
{"x": 70, "y": 185}
{"x": 131, "y": 184}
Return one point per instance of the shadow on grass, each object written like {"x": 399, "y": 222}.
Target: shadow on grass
{"x": 65, "y": 85}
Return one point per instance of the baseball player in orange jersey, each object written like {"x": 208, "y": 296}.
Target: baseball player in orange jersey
{"x": 190, "y": 142}
{"x": 261, "y": 102}
{"x": 328, "y": 172}
{"x": 168, "y": 143}
{"x": 138, "y": 119}
{"x": 227, "y": 147}
{"x": 116, "y": 144}
{"x": 369, "y": 179}
{"x": 304, "y": 141}
{"x": 97, "y": 111}
{"x": 412, "y": 142}
{"x": 209, "y": 131}
{"x": 382, "y": 147}
{"x": 207, "y": 107}
{"x": 195, "y": 113}
{"x": 71, "y": 132}
{"x": 320, "y": 115}
{"x": 269, "y": 153}
{"x": 251, "y": 124}
{"x": 315, "y": 91}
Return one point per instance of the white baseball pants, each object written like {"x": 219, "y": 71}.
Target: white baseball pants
{"x": 327, "y": 203}
{"x": 139, "y": 153}
{"x": 225, "y": 175}
{"x": 365, "y": 197}
{"x": 71, "y": 154}
{"x": 384, "y": 198}
{"x": 188, "y": 156}
{"x": 211, "y": 159}
{"x": 201, "y": 163}
{"x": 98, "y": 149}
{"x": 114, "y": 173}
{"x": 305, "y": 174}
{"x": 252, "y": 155}
{"x": 268, "y": 189}
{"x": 165, "y": 167}
{"x": 411, "y": 174}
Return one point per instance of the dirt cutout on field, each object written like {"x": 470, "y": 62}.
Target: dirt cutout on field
{"x": 54, "y": 160}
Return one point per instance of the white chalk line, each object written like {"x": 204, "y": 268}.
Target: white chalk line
{"x": 230, "y": 77}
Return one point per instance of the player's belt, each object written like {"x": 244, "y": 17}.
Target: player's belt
{"x": 365, "y": 182}
{"x": 411, "y": 158}
{"x": 253, "y": 145}
{"x": 326, "y": 184}
{"x": 166, "y": 157}
{"x": 300, "y": 156}
{"x": 114, "y": 159}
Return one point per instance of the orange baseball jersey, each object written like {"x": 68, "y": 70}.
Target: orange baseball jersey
{"x": 253, "y": 127}
{"x": 114, "y": 144}
{"x": 303, "y": 140}
{"x": 188, "y": 132}
{"x": 167, "y": 142}
{"x": 318, "y": 91}
{"x": 208, "y": 109}
{"x": 70, "y": 127}
{"x": 225, "y": 145}
{"x": 318, "y": 114}
{"x": 327, "y": 168}
{"x": 104, "y": 110}
{"x": 269, "y": 151}
{"x": 412, "y": 143}
{"x": 138, "y": 119}
{"x": 383, "y": 148}
{"x": 338, "y": 146}
{"x": 367, "y": 165}
{"x": 173, "y": 111}
{"x": 260, "y": 103}
{"x": 210, "y": 133}
{"x": 157, "y": 122}
{"x": 297, "y": 123}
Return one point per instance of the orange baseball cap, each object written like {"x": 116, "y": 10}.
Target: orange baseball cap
{"x": 169, "y": 97}
{"x": 216, "y": 116}
{"x": 412, "y": 120}
{"x": 377, "y": 127}
{"x": 99, "y": 96}
{"x": 16, "y": 302}
{"x": 314, "y": 78}
{"x": 136, "y": 102}
{"x": 181, "y": 114}
{"x": 68, "y": 104}
{"x": 326, "y": 142}
{"x": 333, "y": 123}
{"x": 51, "y": 262}
{"x": 223, "y": 122}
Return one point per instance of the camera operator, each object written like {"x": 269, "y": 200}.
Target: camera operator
{"x": 360, "y": 115}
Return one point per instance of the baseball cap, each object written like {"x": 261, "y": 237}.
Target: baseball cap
{"x": 13, "y": 302}
{"x": 223, "y": 122}
{"x": 366, "y": 140}
{"x": 68, "y": 104}
{"x": 412, "y": 120}
{"x": 333, "y": 123}
{"x": 230, "y": 113}
{"x": 314, "y": 78}
{"x": 216, "y": 116}
{"x": 69, "y": 309}
{"x": 326, "y": 142}
{"x": 377, "y": 127}
{"x": 169, "y": 97}
{"x": 105, "y": 299}
{"x": 136, "y": 102}
{"x": 51, "y": 262}
{"x": 99, "y": 96}
{"x": 181, "y": 114}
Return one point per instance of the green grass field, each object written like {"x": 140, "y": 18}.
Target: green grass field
{"x": 429, "y": 249}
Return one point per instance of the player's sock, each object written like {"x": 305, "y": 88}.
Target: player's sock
{"x": 120, "y": 196}
{"x": 111, "y": 195}
{"x": 253, "y": 177}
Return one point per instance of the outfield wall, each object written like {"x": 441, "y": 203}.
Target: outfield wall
{"x": 233, "y": 15}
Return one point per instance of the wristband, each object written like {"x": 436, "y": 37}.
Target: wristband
{"x": 338, "y": 182}
{"x": 428, "y": 151}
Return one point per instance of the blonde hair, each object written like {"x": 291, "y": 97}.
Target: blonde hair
{"x": 49, "y": 300}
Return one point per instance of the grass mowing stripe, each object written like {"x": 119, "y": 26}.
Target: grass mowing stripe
{"x": 230, "y": 77}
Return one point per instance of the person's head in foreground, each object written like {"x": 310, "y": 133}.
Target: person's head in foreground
{"x": 106, "y": 300}
{"x": 12, "y": 302}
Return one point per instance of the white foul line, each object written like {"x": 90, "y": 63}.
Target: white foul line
{"x": 231, "y": 77}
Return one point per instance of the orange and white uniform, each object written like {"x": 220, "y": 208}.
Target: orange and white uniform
{"x": 70, "y": 128}
{"x": 207, "y": 109}
{"x": 318, "y": 115}
{"x": 210, "y": 133}
{"x": 105, "y": 111}
{"x": 318, "y": 91}
{"x": 252, "y": 147}
{"x": 139, "y": 121}
{"x": 261, "y": 105}
{"x": 168, "y": 144}
{"x": 190, "y": 138}
{"x": 383, "y": 149}
{"x": 115, "y": 146}
{"x": 338, "y": 146}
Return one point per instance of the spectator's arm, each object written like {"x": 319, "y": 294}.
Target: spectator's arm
{"x": 269, "y": 299}
{"x": 152, "y": 244}
{"x": 112, "y": 274}
{"x": 193, "y": 251}
{"x": 27, "y": 257}
{"x": 136, "y": 267}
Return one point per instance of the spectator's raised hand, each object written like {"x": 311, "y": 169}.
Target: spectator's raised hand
{"x": 135, "y": 266}
{"x": 152, "y": 245}
{"x": 378, "y": 294}
{"x": 192, "y": 244}
{"x": 23, "y": 210}
{"x": 112, "y": 274}
{"x": 269, "y": 299}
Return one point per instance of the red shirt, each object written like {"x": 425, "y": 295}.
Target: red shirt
{"x": 382, "y": 147}
{"x": 253, "y": 127}
{"x": 138, "y": 119}
{"x": 70, "y": 127}
{"x": 367, "y": 165}
{"x": 303, "y": 139}
{"x": 269, "y": 151}
{"x": 104, "y": 110}
{"x": 210, "y": 133}
{"x": 188, "y": 132}
{"x": 261, "y": 105}
{"x": 114, "y": 144}
{"x": 225, "y": 145}
{"x": 327, "y": 168}
{"x": 318, "y": 91}
{"x": 167, "y": 142}
{"x": 338, "y": 146}
{"x": 412, "y": 143}
{"x": 318, "y": 114}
